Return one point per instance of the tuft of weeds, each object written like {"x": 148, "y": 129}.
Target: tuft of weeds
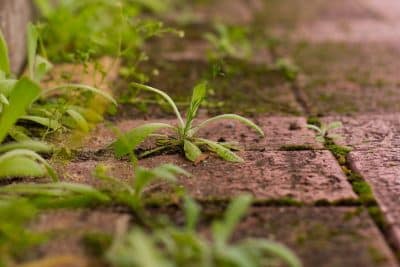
{"x": 131, "y": 192}
{"x": 174, "y": 246}
{"x": 185, "y": 133}
{"x": 229, "y": 41}
{"x": 323, "y": 131}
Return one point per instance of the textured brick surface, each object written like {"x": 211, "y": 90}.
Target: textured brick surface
{"x": 306, "y": 176}
{"x": 381, "y": 169}
{"x": 329, "y": 237}
{"x": 365, "y": 132}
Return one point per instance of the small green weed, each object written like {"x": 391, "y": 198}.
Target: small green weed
{"x": 185, "y": 138}
{"x": 324, "y": 131}
{"x": 173, "y": 246}
{"x": 229, "y": 41}
{"x": 131, "y": 192}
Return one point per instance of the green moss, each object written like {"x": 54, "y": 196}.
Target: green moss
{"x": 377, "y": 256}
{"x": 378, "y": 217}
{"x": 284, "y": 201}
{"x": 340, "y": 152}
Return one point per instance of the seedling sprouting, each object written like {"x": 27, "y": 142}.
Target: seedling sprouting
{"x": 185, "y": 132}
{"x": 324, "y": 132}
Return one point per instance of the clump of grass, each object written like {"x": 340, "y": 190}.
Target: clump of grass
{"x": 185, "y": 133}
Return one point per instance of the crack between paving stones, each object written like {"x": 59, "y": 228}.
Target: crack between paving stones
{"x": 369, "y": 202}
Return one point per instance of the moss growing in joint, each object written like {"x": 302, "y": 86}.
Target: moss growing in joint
{"x": 96, "y": 243}
{"x": 295, "y": 147}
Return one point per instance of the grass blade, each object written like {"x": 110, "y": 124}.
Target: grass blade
{"x": 82, "y": 87}
{"x": 130, "y": 140}
{"x": 47, "y": 122}
{"x": 4, "y": 58}
{"x": 23, "y": 94}
{"x": 166, "y": 97}
{"x": 79, "y": 120}
{"x": 222, "y": 151}
{"x": 192, "y": 152}
{"x": 29, "y": 144}
{"x": 230, "y": 117}
{"x": 199, "y": 93}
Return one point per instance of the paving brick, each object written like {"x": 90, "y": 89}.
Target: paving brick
{"x": 306, "y": 176}
{"x": 381, "y": 169}
{"x": 364, "y": 132}
{"x": 237, "y": 85}
{"x": 325, "y": 236}
{"x": 340, "y": 21}
{"x": 280, "y": 132}
{"x": 322, "y": 236}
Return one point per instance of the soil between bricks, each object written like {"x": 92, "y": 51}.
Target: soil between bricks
{"x": 380, "y": 167}
{"x": 328, "y": 237}
{"x": 305, "y": 176}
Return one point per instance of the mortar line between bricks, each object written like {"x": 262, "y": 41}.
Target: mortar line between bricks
{"x": 368, "y": 204}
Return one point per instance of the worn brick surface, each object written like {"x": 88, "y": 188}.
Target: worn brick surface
{"x": 280, "y": 133}
{"x": 381, "y": 169}
{"x": 322, "y": 236}
{"x": 365, "y": 132}
{"x": 306, "y": 176}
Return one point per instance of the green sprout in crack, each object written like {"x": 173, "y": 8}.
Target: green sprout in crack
{"x": 324, "y": 132}
{"x": 131, "y": 192}
{"x": 185, "y": 137}
{"x": 184, "y": 246}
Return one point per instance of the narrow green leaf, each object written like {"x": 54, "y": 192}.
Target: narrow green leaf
{"x": 4, "y": 58}
{"x": 82, "y": 87}
{"x": 36, "y": 146}
{"x": 275, "y": 249}
{"x": 3, "y": 100}
{"x": 31, "y": 155}
{"x": 130, "y": 140}
{"x": 79, "y": 120}
{"x": 192, "y": 213}
{"x": 315, "y": 128}
{"x": 47, "y": 122}
{"x": 230, "y": 117}
{"x": 198, "y": 95}
{"x": 221, "y": 151}
{"x": 21, "y": 167}
{"x": 7, "y": 85}
{"x": 42, "y": 67}
{"x": 166, "y": 97}
{"x": 334, "y": 125}
{"x": 192, "y": 152}
{"x": 33, "y": 37}
{"x": 23, "y": 94}
{"x": 222, "y": 230}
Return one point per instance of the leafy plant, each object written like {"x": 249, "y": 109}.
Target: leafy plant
{"x": 131, "y": 192}
{"x": 185, "y": 137}
{"x": 174, "y": 246}
{"x": 229, "y": 41}
{"x": 75, "y": 30}
{"x": 21, "y": 159}
{"x": 324, "y": 132}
